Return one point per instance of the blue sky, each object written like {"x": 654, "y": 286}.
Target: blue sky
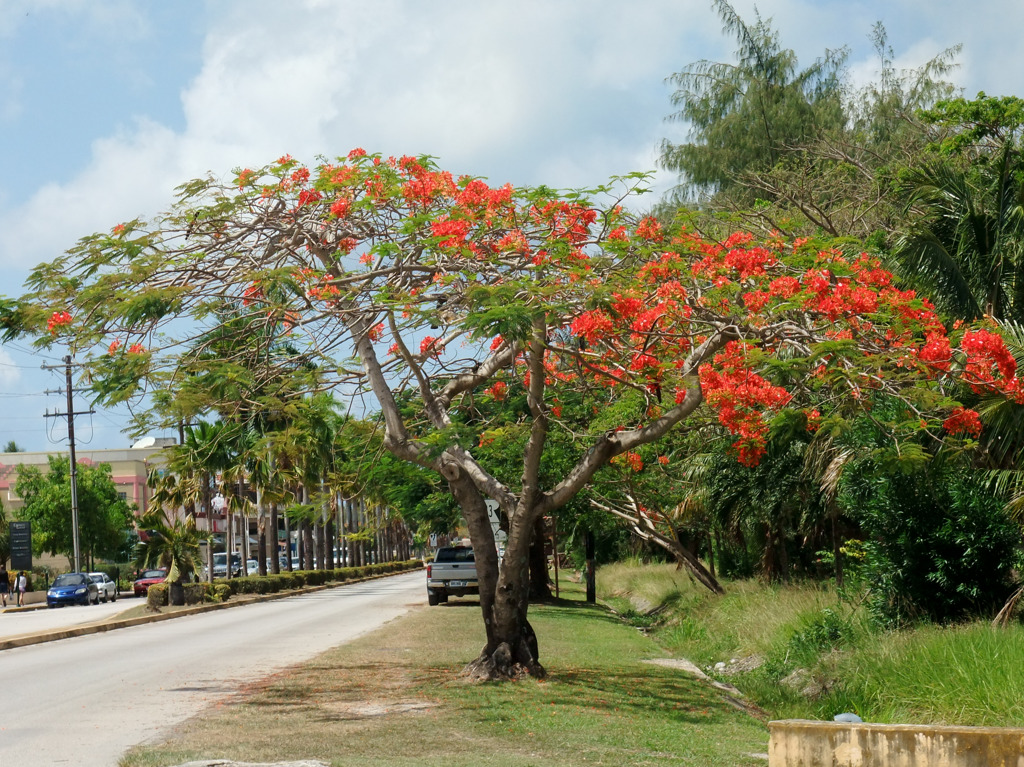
{"x": 107, "y": 105}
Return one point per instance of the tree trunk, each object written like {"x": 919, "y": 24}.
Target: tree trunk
{"x": 208, "y": 506}
{"x": 288, "y": 543}
{"x": 275, "y": 546}
{"x": 176, "y": 593}
{"x": 261, "y": 534}
{"x": 511, "y": 650}
{"x": 343, "y": 544}
{"x": 329, "y": 539}
{"x": 306, "y": 530}
{"x": 540, "y": 586}
{"x": 229, "y": 542}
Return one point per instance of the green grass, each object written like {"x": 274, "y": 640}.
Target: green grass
{"x": 705, "y": 628}
{"x": 966, "y": 675}
{"x": 394, "y": 697}
{"x": 971, "y": 674}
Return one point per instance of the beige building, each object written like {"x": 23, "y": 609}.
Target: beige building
{"x": 129, "y": 469}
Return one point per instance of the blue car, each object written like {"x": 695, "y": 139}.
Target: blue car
{"x": 72, "y": 589}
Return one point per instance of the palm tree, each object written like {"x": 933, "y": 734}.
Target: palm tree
{"x": 965, "y": 245}
{"x": 174, "y": 545}
{"x": 206, "y": 450}
{"x": 306, "y": 449}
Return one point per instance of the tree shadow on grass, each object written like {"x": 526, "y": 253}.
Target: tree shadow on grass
{"x": 670, "y": 696}
{"x": 574, "y": 611}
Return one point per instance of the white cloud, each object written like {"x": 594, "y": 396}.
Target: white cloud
{"x": 533, "y": 93}
{"x": 9, "y": 372}
{"x": 560, "y": 93}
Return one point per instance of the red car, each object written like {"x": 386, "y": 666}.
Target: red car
{"x": 146, "y": 579}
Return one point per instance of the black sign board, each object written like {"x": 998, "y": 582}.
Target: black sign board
{"x": 21, "y": 545}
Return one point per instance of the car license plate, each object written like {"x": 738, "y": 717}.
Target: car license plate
{"x": 456, "y": 584}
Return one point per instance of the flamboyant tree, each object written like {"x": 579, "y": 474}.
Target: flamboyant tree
{"x": 389, "y": 277}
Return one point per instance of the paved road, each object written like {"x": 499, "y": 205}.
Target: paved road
{"x": 84, "y": 701}
{"x": 42, "y": 619}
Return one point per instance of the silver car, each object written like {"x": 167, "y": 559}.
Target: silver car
{"x": 106, "y": 585}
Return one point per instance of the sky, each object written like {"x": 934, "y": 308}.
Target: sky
{"x": 107, "y": 105}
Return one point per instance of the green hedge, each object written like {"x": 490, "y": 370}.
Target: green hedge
{"x": 222, "y": 590}
{"x": 218, "y": 592}
{"x": 156, "y": 596}
{"x": 195, "y": 593}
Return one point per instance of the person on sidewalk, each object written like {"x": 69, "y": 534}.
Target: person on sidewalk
{"x": 5, "y": 583}
{"x": 21, "y": 584}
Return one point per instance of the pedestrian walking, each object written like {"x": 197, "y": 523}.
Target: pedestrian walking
{"x": 5, "y": 583}
{"x": 21, "y": 584}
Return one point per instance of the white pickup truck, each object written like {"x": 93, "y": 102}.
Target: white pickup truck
{"x": 453, "y": 572}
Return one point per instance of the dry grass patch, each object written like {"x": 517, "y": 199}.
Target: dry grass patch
{"x": 394, "y": 697}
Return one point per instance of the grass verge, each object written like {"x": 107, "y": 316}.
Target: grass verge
{"x": 807, "y": 654}
{"x": 393, "y": 698}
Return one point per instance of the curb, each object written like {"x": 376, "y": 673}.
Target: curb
{"x": 24, "y": 608}
{"x": 113, "y": 625}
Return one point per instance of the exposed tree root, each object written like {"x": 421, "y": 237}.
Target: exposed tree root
{"x": 500, "y": 665}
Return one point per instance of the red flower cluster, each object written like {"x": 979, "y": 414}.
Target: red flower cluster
{"x": 740, "y": 397}
{"x": 323, "y": 292}
{"x": 650, "y": 229}
{"x": 431, "y": 345}
{"x": 309, "y": 196}
{"x": 987, "y": 356}
{"x": 632, "y": 460}
{"x": 499, "y": 390}
{"x": 592, "y": 325}
{"x": 57, "y": 321}
{"x": 936, "y": 353}
{"x": 251, "y": 294}
{"x": 452, "y": 233}
{"x": 963, "y": 420}
{"x": 340, "y": 207}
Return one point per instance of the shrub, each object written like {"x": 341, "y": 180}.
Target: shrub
{"x": 195, "y": 593}
{"x": 315, "y": 577}
{"x": 279, "y": 582}
{"x": 941, "y": 546}
{"x": 252, "y": 584}
{"x": 218, "y": 592}
{"x": 156, "y": 596}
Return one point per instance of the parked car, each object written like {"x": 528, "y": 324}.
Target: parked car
{"x": 106, "y": 585}
{"x": 72, "y": 589}
{"x": 252, "y": 567}
{"x": 220, "y": 565}
{"x": 452, "y": 573}
{"x": 146, "y": 579}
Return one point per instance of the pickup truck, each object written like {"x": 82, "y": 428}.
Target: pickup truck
{"x": 453, "y": 572}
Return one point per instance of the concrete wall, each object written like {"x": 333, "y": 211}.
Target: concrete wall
{"x": 798, "y": 743}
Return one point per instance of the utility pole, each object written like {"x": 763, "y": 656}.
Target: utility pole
{"x": 69, "y": 391}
